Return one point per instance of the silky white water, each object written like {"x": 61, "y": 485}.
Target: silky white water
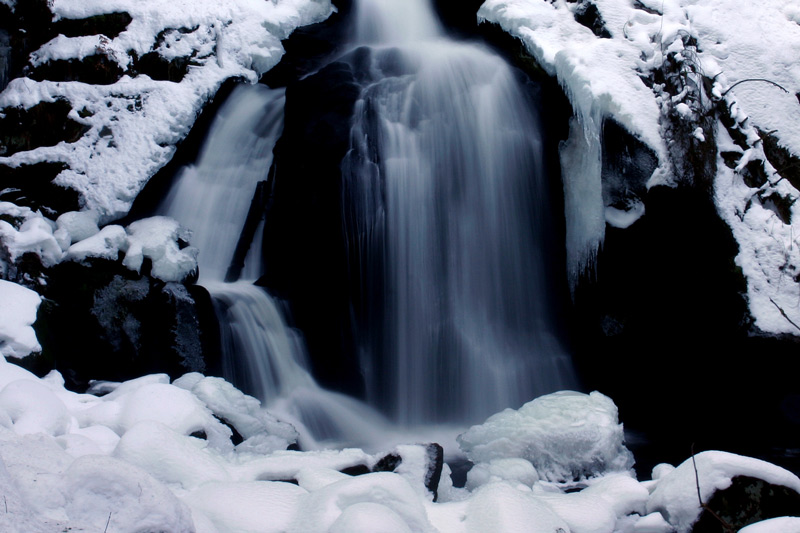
{"x": 446, "y": 169}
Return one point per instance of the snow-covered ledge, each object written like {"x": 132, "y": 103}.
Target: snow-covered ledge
{"x": 612, "y": 59}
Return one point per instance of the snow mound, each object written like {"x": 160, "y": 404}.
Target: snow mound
{"x": 675, "y": 495}
{"x": 784, "y": 524}
{"x": 566, "y": 436}
{"x": 30, "y": 233}
{"x": 75, "y": 236}
{"x": 18, "y": 307}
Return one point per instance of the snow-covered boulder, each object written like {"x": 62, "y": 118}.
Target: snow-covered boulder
{"x": 18, "y": 306}
{"x": 261, "y": 432}
{"x": 678, "y": 493}
{"x": 566, "y": 436}
{"x": 165, "y": 243}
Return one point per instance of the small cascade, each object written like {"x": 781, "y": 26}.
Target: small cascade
{"x": 446, "y": 169}
{"x": 260, "y": 353}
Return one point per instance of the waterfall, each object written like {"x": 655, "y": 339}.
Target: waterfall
{"x": 446, "y": 167}
{"x": 446, "y": 209}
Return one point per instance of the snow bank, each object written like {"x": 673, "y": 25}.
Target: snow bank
{"x": 565, "y": 435}
{"x": 135, "y": 122}
{"x": 18, "y": 307}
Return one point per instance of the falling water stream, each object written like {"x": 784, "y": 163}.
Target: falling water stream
{"x": 446, "y": 144}
{"x": 445, "y": 147}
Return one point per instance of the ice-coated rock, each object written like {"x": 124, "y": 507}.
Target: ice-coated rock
{"x": 565, "y": 435}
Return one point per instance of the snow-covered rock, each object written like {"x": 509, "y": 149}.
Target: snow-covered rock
{"x": 676, "y": 494}
{"x": 165, "y": 244}
{"x": 18, "y": 306}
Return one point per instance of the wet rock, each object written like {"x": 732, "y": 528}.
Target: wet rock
{"x": 304, "y": 241}
{"x": 130, "y": 324}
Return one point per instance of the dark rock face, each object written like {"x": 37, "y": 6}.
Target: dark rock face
{"x": 96, "y": 69}
{"x": 310, "y": 47}
{"x": 110, "y": 25}
{"x": 747, "y": 501}
{"x": 129, "y": 325}
{"x": 587, "y": 14}
{"x": 304, "y": 243}
{"x": 460, "y": 16}
{"x": 665, "y": 318}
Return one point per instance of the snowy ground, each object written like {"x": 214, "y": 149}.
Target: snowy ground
{"x": 153, "y": 455}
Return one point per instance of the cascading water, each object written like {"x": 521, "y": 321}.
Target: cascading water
{"x": 446, "y": 169}
{"x": 260, "y": 353}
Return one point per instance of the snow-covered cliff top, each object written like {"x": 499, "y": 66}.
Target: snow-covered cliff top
{"x": 684, "y": 75}
{"x": 134, "y": 123}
